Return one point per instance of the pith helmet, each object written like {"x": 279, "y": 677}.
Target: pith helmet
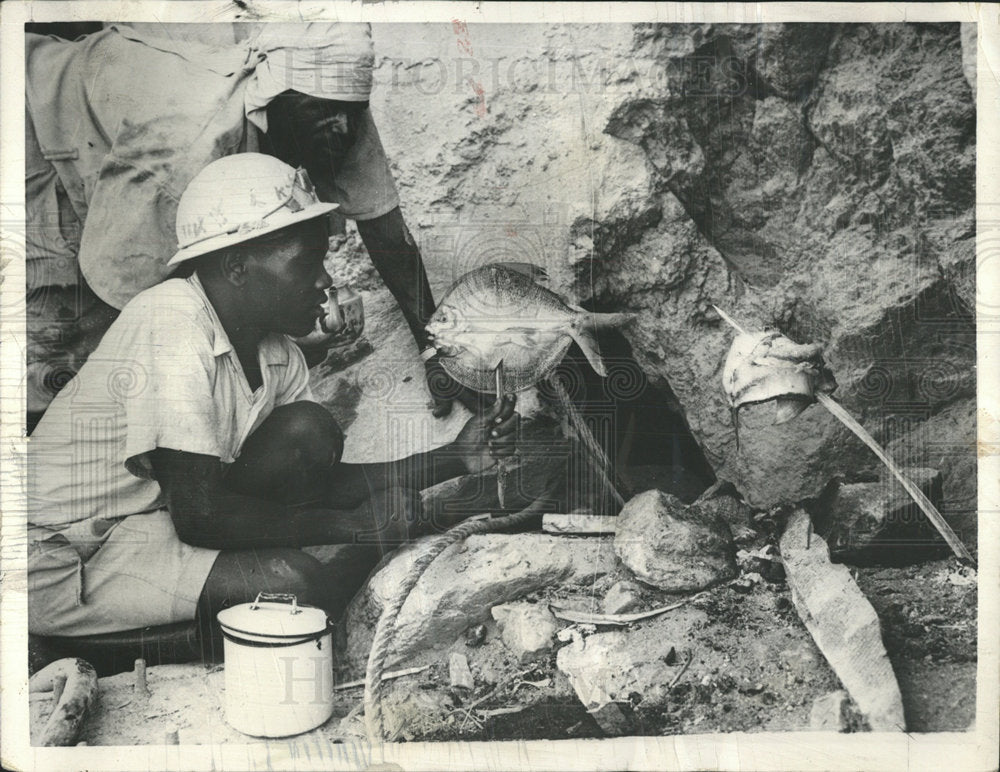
{"x": 240, "y": 197}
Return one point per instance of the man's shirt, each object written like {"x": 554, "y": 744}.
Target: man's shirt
{"x": 165, "y": 375}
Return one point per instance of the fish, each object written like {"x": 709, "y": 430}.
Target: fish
{"x": 499, "y": 313}
{"x": 768, "y": 367}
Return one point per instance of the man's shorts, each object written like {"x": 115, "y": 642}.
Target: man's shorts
{"x": 141, "y": 574}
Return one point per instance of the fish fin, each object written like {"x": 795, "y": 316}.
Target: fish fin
{"x": 786, "y": 408}
{"x": 588, "y": 344}
{"x": 532, "y": 271}
{"x": 604, "y": 321}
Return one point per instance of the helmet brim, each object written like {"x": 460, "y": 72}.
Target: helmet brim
{"x": 274, "y": 222}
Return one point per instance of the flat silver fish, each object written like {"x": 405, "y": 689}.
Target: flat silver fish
{"x": 498, "y": 313}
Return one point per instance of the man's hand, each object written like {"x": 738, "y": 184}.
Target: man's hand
{"x": 444, "y": 390}
{"x": 490, "y": 436}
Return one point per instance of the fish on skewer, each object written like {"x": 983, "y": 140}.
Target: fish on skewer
{"x": 499, "y": 313}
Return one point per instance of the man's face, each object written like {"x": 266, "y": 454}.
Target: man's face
{"x": 287, "y": 280}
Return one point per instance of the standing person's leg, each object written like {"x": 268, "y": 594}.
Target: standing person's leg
{"x": 339, "y": 146}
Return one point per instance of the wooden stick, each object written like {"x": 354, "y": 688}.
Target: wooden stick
{"x": 589, "y": 618}
{"x": 139, "y": 685}
{"x": 386, "y": 677}
{"x": 596, "y": 457}
{"x": 925, "y": 504}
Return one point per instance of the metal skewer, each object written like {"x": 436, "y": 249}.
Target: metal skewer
{"x": 925, "y": 504}
{"x": 502, "y": 469}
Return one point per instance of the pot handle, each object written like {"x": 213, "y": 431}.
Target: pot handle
{"x": 277, "y": 596}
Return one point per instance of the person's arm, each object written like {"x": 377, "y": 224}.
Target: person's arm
{"x": 397, "y": 259}
{"x": 483, "y": 439}
{"x": 206, "y": 513}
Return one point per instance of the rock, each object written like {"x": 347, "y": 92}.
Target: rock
{"x": 747, "y": 582}
{"x": 463, "y": 583}
{"x": 458, "y": 672}
{"x": 830, "y": 712}
{"x": 764, "y": 562}
{"x": 843, "y": 624}
{"x": 622, "y": 596}
{"x": 674, "y": 547}
{"x": 413, "y": 713}
{"x": 879, "y": 523}
{"x": 817, "y": 178}
{"x": 527, "y": 629}
{"x": 780, "y": 198}
{"x": 612, "y": 667}
{"x": 475, "y": 635}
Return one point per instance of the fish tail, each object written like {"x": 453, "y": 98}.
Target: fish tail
{"x": 585, "y": 339}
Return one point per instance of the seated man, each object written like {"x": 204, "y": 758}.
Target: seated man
{"x": 184, "y": 464}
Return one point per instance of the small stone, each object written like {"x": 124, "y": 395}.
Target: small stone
{"x": 830, "y": 712}
{"x": 674, "y": 547}
{"x": 623, "y": 596}
{"x": 459, "y": 674}
{"x": 746, "y": 583}
{"x": 527, "y": 629}
{"x": 614, "y": 718}
{"x": 475, "y": 635}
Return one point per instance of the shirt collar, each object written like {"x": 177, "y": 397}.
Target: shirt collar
{"x": 270, "y": 350}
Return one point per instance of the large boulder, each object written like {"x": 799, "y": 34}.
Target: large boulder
{"x": 464, "y": 583}
{"x": 674, "y": 547}
{"x": 878, "y": 522}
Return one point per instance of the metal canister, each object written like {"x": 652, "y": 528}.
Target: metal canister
{"x": 279, "y": 666}
{"x": 332, "y": 321}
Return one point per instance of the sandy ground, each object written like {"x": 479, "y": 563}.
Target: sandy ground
{"x": 753, "y": 667}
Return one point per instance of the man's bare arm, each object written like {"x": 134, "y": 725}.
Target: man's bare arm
{"x": 484, "y": 438}
{"x": 207, "y": 513}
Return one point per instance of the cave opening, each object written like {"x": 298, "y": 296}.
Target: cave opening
{"x": 638, "y": 422}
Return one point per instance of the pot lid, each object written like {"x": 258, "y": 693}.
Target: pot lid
{"x": 274, "y": 619}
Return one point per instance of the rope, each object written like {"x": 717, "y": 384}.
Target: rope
{"x": 374, "y": 719}
{"x": 599, "y": 459}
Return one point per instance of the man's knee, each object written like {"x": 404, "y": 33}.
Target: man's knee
{"x": 240, "y": 575}
{"x": 308, "y": 428}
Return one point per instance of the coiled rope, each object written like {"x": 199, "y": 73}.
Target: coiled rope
{"x": 374, "y": 718}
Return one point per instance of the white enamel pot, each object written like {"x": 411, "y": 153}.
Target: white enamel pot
{"x": 279, "y": 666}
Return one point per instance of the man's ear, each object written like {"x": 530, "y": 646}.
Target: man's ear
{"x": 233, "y": 266}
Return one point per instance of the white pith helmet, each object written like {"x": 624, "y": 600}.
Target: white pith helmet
{"x": 240, "y": 197}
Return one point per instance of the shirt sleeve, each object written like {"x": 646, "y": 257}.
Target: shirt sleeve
{"x": 170, "y": 401}
{"x": 294, "y": 384}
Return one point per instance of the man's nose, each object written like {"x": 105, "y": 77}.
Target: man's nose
{"x": 324, "y": 281}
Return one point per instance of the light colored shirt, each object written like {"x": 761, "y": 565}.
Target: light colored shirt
{"x": 132, "y": 116}
{"x": 165, "y": 375}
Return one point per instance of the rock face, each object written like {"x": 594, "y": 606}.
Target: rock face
{"x": 674, "y": 547}
{"x": 464, "y": 583}
{"x": 819, "y": 178}
{"x": 815, "y": 177}
{"x": 527, "y": 629}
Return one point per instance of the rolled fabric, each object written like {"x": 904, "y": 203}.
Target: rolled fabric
{"x": 330, "y": 60}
